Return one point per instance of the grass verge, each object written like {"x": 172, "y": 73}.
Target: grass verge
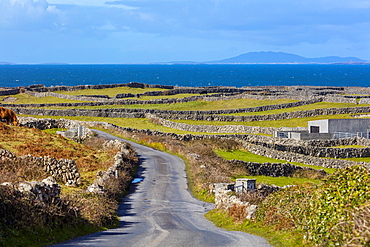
{"x": 275, "y": 238}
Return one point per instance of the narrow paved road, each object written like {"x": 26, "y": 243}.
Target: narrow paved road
{"x": 161, "y": 211}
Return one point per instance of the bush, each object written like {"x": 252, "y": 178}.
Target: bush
{"x": 97, "y": 209}
{"x": 25, "y": 213}
{"x": 335, "y": 213}
{"x": 341, "y": 207}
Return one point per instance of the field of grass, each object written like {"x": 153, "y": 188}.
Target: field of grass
{"x": 281, "y": 181}
{"x": 247, "y": 156}
{"x": 363, "y": 159}
{"x": 319, "y": 105}
{"x": 274, "y": 237}
{"x": 350, "y": 146}
{"x": 23, "y": 98}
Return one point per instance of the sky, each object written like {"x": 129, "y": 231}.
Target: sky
{"x": 148, "y": 31}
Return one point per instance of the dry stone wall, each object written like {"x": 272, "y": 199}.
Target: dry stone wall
{"x": 47, "y": 191}
{"x": 100, "y": 98}
{"x": 271, "y": 169}
{"x": 317, "y": 148}
{"x": 63, "y": 169}
{"x": 42, "y": 88}
{"x": 9, "y": 91}
{"x": 300, "y": 158}
{"x": 225, "y": 200}
{"x": 120, "y": 166}
{"x": 191, "y": 115}
{"x": 100, "y": 102}
{"x": 214, "y": 128}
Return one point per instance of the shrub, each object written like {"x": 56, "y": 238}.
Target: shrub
{"x": 97, "y": 209}
{"x": 254, "y": 198}
{"x": 286, "y": 209}
{"x": 335, "y": 213}
{"x": 25, "y": 213}
{"x": 20, "y": 170}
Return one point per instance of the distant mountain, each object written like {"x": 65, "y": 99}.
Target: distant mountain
{"x": 6, "y": 63}
{"x": 270, "y": 57}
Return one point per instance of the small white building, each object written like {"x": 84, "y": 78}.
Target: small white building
{"x": 330, "y": 129}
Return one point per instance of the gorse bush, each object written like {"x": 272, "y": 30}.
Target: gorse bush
{"x": 335, "y": 213}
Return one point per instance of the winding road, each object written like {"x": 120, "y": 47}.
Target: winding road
{"x": 161, "y": 212}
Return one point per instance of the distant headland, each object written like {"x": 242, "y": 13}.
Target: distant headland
{"x": 269, "y": 57}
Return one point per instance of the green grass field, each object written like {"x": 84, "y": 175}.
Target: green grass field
{"x": 23, "y": 98}
{"x": 247, "y": 156}
{"x": 319, "y": 105}
{"x": 281, "y": 181}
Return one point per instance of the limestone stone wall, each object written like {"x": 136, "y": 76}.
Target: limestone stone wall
{"x": 189, "y": 115}
{"x": 100, "y": 98}
{"x": 272, "y": 169}
{"x": 317, "y": 148}
{"x": 9, "y": 91}
{"x": 120, "y": 166}
{"x": 42, "y": 88}
{"x": 294, "y": 157}
{"x": 63, "y": 169}
{"x": 46, "y": 191}
{"x": 112, "y": 101}
{"x": 225, "y": 200}
{"x": 214, "y": 128}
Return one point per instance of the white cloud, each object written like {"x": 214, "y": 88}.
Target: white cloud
{"x": 79, "y": 2}
{"x": 91, "y": 3}
{"x": 27, "y": 14}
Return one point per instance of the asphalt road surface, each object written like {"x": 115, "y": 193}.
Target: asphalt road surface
{"x": 160, "y": 211}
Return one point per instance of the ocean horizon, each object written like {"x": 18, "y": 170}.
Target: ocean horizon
{"x": 188, "y": 75}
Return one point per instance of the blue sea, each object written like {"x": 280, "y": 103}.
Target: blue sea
{"x": 187, "y": 75}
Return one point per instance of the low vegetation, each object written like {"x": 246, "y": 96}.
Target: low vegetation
{"x": 334, "y": 213}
